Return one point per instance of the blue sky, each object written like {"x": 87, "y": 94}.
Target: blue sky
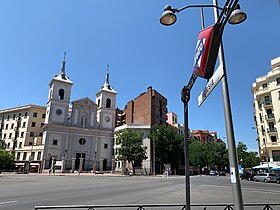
{"x": 141, "y": 52}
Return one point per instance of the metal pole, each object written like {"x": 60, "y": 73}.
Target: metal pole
{"x": 236, "y": 187}
{"x": 154, "y": 158}
{"x": 185, "y": 96}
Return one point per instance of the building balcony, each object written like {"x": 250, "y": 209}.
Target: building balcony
{"x": 267, "y": 103}
{"x": 269, "y": 116}
{"x": 271, "y": 130}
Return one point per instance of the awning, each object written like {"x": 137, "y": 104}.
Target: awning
{"x": 19, "y": 164}
{"x": 34, "y": 164}
{"x": 265, "y": 166}
{"x": 276, "y": 168}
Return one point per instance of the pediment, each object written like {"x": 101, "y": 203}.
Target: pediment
{"x": 84, "y": 101}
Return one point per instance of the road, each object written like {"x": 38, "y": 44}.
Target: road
{"x": 22, "y": 192}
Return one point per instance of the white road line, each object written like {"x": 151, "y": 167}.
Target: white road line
{"x": 248, "y": 189}
{"x": 7, "y": 202}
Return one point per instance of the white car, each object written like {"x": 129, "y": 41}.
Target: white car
{"x": 265, "y": 177}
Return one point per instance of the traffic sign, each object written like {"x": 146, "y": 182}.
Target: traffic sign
{"x": 211, "y": 84}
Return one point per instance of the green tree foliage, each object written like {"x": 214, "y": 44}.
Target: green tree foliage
{"x": 6, "y": 159}
{"x": 212, "y": 155}
{"x": 168, "y": 145}
{"x": 131, "y": 146}
{"x": 247, "y": 159}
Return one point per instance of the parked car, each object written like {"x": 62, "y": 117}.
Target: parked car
{"x": 248, "y": 175}
{"x": 278, "y": 179}
{"x": 265, "y": 177}
{"x": 221, "y": 173}
{"x": 213, "y": 172}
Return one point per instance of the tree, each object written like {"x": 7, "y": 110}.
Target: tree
{"x": 247, "y": 159}
{"x": 208, "y": 154}
{"x": 6, "y": 159}
{"x": 198, "y": 154}
{"x": 168, "y": 145}
{"x": 131, "y": 146}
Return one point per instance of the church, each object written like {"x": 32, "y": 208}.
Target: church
{"x": 78, "y": 135}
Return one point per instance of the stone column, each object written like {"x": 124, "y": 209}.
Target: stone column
{"x": 81, "y": 165}
{"x": 94, "y": 165}
{"x": 43, "y": 165}
{"x": 63, "y": 165}
{"x": 73, "y": 164}
{"x": 113, "y": 165}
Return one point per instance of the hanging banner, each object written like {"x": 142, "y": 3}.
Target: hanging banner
{"x": 206, "y": 51}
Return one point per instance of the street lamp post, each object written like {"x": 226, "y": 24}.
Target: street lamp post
{"x": 230, "y": 12}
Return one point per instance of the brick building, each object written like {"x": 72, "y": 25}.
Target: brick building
{"x": 148, "y": 108}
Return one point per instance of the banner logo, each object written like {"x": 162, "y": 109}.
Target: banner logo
{"x": 198, "y": 52}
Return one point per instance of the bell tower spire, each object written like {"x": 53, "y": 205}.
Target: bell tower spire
{"x": 107, "y": 82}
{"x": 62, "y": 72}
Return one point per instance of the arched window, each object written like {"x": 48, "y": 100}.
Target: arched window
{"x": 98, "y": 102}
{"x": 108, "y": 103}
{"x": 61, "y": 94}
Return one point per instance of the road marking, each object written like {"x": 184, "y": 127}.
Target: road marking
{"x": 250, "y": 189}
{"x": 7, "y": 202}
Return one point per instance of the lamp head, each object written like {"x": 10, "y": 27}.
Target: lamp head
{"x": 237, "y": 16}
{"x": 168, "y": 17}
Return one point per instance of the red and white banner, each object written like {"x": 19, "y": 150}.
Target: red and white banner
{"x": 206, "y": 51}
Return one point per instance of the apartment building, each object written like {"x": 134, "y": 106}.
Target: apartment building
{"x": 205, "y": 135}
{"x": 148, "y": 108}
{"x": 266, "y": 91}
{"x": 21, "y": 130}
{"x": 172, "y": 119}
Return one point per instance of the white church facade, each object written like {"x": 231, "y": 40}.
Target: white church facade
{"x": 78, "y": 135}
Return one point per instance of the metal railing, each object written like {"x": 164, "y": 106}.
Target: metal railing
{"x": 252, "y": 206}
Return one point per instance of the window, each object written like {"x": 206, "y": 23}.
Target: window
{"x": 23, "y": 125}
{"x": 14, "y": 116}
{"x": 33, "y": 124}
{"x": 24, "y": 156}
{"x": 31, "y": 134}
{"x": 41, "y": 134}
{"x": 260, "y": 114}
{"x": 105, "y": 146}
{"x": 273, "y": 139}
{"x": 98, "y": 102}
{"x": 42, "y": 124}
{"x": 39, "y": 155}
{"x": 108, "y": 103}
{"x": 35, "y": 114}
{"x": 12, "y": 125}
{"x": 6, "y": 127}
{"x": 278, "y": 81}
{"x": 264, "y": 85}
{"x": 276, "y": 155}
{"x": 25, "y": 114}
{"x": 4, "y": 135}
{"x": 18, "y": 155}
{"x": 21, "y": 134}
{"x": 55, "y": 141}
{"x": 10, "y": 135}
{"x": 61, "y": 94}
{"x": 8, "y": 118}
{"x": 266, "y": 98}
{"x": 20, "y": 145}
{"x": 82, "y": 141}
